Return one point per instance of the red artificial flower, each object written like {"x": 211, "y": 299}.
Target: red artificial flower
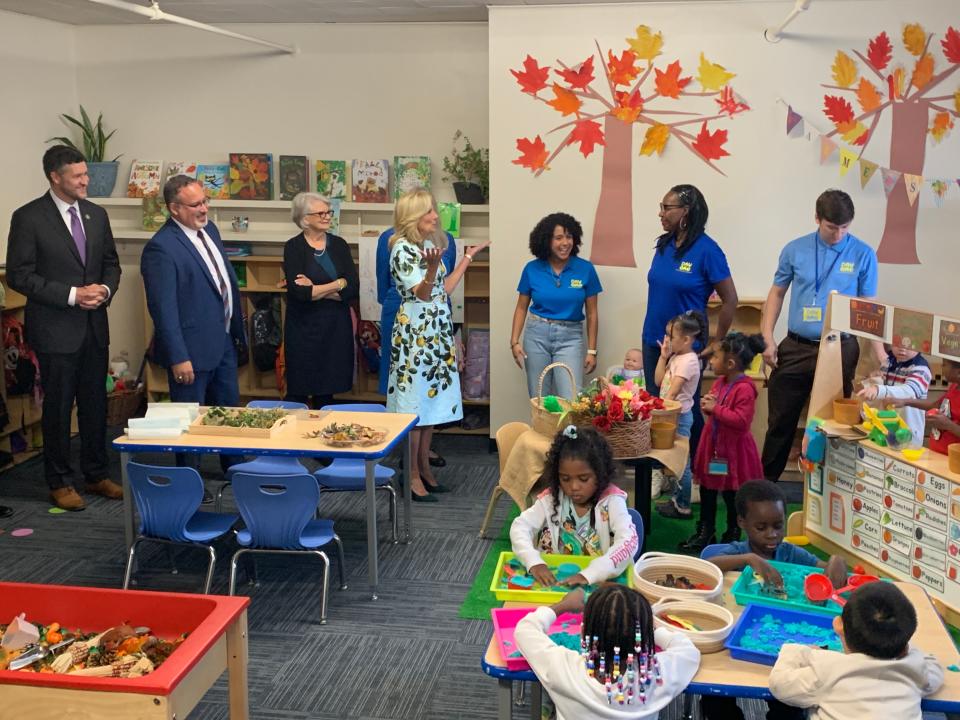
{"x": 615, "y": 413}
{"x": 602, "y": 423}
{"x": 644, "y": 413}
{"x": 644, "y": 395}
{"x": 658, "y": 403}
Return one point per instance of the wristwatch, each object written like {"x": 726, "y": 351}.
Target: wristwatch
{"x": 591, "y": 352}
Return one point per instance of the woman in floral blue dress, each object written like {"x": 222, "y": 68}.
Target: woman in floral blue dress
{"x": 423, "y": 363}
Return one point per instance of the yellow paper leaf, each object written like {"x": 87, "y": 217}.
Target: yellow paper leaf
{"x": 655, "y": 140}
{"x": 922, "y": 71}
{"x": 956, "y": 100}
{"x": 851, "y": 131}
{"x": 868, "y": 95}
{"x": 844, "y": 70}
{"x": 712, "y": 76}
{"x": 646, "y": 45}
{"x": 898, "y": 76}
{"x": 914, "y": 39}
{"x": 942, "y": 124}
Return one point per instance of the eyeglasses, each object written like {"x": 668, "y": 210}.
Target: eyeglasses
{"x": 664, "y": 208}
{"x": 198, "y": 204}
{"x": 322, "y": 214}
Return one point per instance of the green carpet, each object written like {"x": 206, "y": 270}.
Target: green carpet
{"x": 665, "y": 534}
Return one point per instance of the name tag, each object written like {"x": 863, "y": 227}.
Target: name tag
{"x": 576, "y": 284}
{"x": 685, "y": 267}
{"x": 812, "y": 314}
{"x": 718, "y": 466}
{"x": 847, "y": 267}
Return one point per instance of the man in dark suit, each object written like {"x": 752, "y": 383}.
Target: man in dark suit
{"x": 61, "y": 256}
{"x": 194, "y": 300}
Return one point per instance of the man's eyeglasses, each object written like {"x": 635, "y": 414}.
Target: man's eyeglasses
{"x": 322, "y": 214}
{"x": 664, "y": 208}
{"x": 197, "y": 204}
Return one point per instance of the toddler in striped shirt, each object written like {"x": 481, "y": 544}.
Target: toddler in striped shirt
{"x": 904, "y": 375}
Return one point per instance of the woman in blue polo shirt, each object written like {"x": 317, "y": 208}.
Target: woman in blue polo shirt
{"x": 559, "y": 289}
{"x": 687, "y": 267}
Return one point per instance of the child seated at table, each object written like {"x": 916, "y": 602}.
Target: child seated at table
{"x": 761, "y": 514}
{"x": 877, "y": 675}
{"x": 609, "y": 677}
{"x": 581, "y": 512}
{"x": 632, "y": 368}
{"x": 904, "y": 375}
{"x": 944, "y": 424}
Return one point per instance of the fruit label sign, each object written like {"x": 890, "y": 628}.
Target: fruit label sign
{"x": 898, "y": 505}
{"x": 932, "y": 482}
{"x": 836, "y": 447}
{"x": 930, "y": 518}
{"x": 901, "y": 470}
{"x": 871, "y": 457}
{"x": 868, "y": 317}
{"x": 866, "y": 545}
{"x": 930, "y": 537}
{"x": 949, "y": 338}
{"x": 866, "y": 526}
{"x": 952, "y": 572}
{"x": 912, "y": 329}
{"x": 897, "y": 541}
{"x": 838, "y": 517}
{"x": 841, "y": 463}
{"x": 931, "y": 558}
{"x": 867, "y": 491}
{"x": 863, "y": 506}
{"x": 896, "y": 561}
{"x": 815, "y": 480}
{"x": 930, "y": 578}
{"x": 814, "y": 511}
{"x": 900, "y": 487}
{"x": 869, "y": 473}
{"x": 898, "y": 523}
{"x": 841, "y": 482}
{"x": 932, "y": 500}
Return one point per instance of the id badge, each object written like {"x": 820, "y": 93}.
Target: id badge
{"x": 718, "y": 466}
{"x": 813, "y": 314}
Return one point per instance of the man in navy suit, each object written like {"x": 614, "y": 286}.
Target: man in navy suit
{"x": 61, "y": 256}
{"x": 194, "y": 300}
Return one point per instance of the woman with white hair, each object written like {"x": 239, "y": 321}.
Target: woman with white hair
{"x": 423, "y": 363}
{"x": 322, "y": 284}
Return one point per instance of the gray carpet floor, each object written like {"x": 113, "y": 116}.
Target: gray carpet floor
{"x": 406, "y": 656}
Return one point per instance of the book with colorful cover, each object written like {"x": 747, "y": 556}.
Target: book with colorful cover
{"x": 144, "y": 178}
{"x": 179, "y": 167}
{"x": 450, "y": 217}
{"x": 251, "y": 176}
{"x": 335, "y": 220}
{"x": 410, "y": 172}
{"x": 155, "y": 213}
{"x": 215, "y": 180}
{"x": 292, "y": 176}
{"x": 370, "y": 181}
{"x": 332, "y": 178}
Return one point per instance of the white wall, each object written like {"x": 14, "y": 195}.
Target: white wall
{"x": 767, "y": 196}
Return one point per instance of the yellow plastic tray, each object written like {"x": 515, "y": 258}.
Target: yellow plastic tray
{"x": 541, "y": 595}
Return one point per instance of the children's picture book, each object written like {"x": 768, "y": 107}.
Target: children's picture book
{"x": 450, "y": 217}
{"x": 292, "y": 176}
{"x": 335, "y": 220}
{"x": 215, "y": 180}
{"x": 332, "y": 178}
{"x": 370, "y": 181}
{"x": 179, "y": 167}
{"x": 409, "y": 173}
{"x": 144, "y": 178}
{"x": 251, "y": 176}
{"x": 155, "y": 212}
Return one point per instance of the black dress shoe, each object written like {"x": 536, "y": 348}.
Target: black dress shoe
{"x": 5, "y": 511}
{"x": 207, "y": 497}
{"x": 423, "y": 498}
{"x": 438, "y": 488}
{"x": 437, "y": 461}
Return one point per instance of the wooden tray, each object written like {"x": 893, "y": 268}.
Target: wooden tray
{"x": 287, "y": 421}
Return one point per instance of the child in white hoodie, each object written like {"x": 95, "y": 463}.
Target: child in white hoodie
{"x": 580, "y": 513}
{"x": 618, "y": 674}
{"x": 878, "y": 675}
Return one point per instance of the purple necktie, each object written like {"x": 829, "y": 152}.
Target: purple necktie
{"x": 224, "y": 290}
{"x": 76, "y": 229}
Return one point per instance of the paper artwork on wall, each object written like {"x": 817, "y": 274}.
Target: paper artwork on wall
{"x": 369, "y": 307}
{"x": 332, "y": 178}
{"x": 370, "y": 179}
{"x": 912, "y": 329}
{"x": 215, "y": 180}
{"x": 251, "y": 176}
{"x": 292, "y": 176}
{"x": 144, "y": 178}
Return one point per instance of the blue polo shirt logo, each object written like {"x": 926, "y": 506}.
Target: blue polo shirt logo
{"x": 847, "y": 267}
{"x": 576, "y": 284}
{"x": 685, "y": 267}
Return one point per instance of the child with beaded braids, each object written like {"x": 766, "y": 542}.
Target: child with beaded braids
{"x": 617, "y": 673}
{"x": 581, "y": 512}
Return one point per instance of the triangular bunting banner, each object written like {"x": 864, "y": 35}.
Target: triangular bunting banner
{"x": 867, "y": 169}
{"x": 912, "y": 184}
{"x": 890, "y": 178}
{"x": 827, "y": 148}
{"x": 939, "y": 188}
{"x": 847, "y": 160}
{"x": 794, "y": 121}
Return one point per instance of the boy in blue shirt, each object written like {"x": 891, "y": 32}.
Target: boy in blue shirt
{"x": 761, "y": 514}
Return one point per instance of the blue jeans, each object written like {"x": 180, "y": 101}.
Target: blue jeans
{"x": 682, "y": 495}
{"x": 551, "y": 341}
{"x": 651, "y": 353}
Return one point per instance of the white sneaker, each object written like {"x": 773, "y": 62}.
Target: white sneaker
{"x": 656, "y": 483}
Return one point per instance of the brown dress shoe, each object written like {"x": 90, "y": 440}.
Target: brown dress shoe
{"x": 67, "y": 498}
{"x": 106, "y": 487}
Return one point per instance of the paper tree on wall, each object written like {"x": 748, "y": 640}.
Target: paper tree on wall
{"x": 915, "y": 114}
{"x": 604, "y": 111}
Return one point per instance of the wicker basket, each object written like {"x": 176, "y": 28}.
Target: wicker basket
{"x": 123, "y": 405}
{"x": 715, "y": 622}
{"x": 653, "y": 566}
{"x": 544, "y": 421}
{"x": 629, "y": 439}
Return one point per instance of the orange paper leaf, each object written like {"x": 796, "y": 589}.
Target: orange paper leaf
{"x": 942, "y": 124}
{"x": 588, "y": 133}
{"x": 655, "y": 140}
{"x": 922, "y": 71}
{"x": 879, "y": 51}
{"x": 564, "y": 101}
{"x": 532, "y": 78}
{"x": 951, "y": 45}
{"x": 710, "y": 145}
{"x": 838, "y": 109}
{"x": 581, "y": 77}
{"x": 533, "y": 153}
{"x": 853, "y": 132}
{"x": 914, "y": 39}
{"x": 729, "y": 102}
{"x": 868, "y": 95}
{"x": 629, "y": 106}
{"x": 622, "y": 70}
{"x": 669, "y": 83}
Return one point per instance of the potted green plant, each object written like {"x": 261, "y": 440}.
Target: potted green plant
{"x": 103, "y": 174}
{"x": 469, "y": 167}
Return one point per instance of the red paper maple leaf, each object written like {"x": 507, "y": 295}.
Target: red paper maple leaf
{"x": 951, "y": 45}
{"x": 532, "y": 78}
{"x": 710, "y": 145}
{"x": 579, "y": 78}
{"x": 533, "y": 153}
{"x": 589, "y": 134}
{"x": 729, "y": 102}
{"x": 629, "y": 105}
{"x": 837, "y": 109}
{"x": 622, "y": 70}
{"x": 879, "y": 51}
{"x": 669, "y": 83}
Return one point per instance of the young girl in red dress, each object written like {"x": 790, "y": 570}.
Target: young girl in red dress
{"x": 727, "y": 455}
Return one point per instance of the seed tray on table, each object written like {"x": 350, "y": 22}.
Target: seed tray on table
{"x": 511, "y": 581}
{"x": 564, "y": 631}
{"x": 749, "y": 589}
{"x": 761, "y": 631}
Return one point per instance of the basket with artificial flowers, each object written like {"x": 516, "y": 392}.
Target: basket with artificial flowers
{"x": 622, "y": 412}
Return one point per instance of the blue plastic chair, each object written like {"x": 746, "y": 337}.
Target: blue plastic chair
{"x": 168, "y": 501}
{"x": 349, "y": 474}
{"x": 638, "y": 524}
{"x": 277, "y": 512}
{"x": 265, "y": 464}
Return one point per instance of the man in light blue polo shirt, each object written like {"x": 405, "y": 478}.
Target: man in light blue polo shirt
{"x": 815, "y": 265}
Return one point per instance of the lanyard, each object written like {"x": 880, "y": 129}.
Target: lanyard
{"x": 713, "y": 422}
{"x": 818, "y": 281}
